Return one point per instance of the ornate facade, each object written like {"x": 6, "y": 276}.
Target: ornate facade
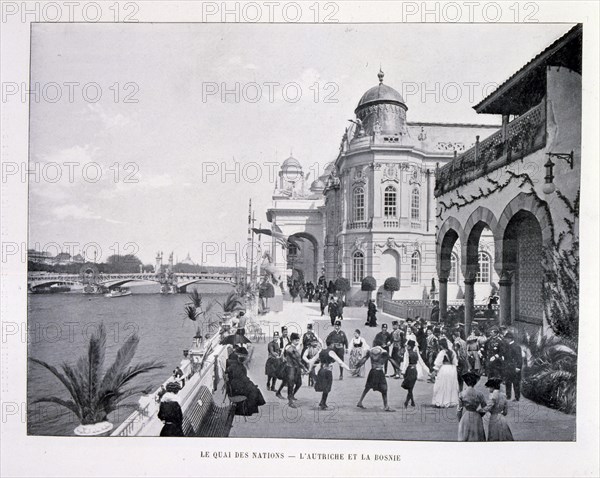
{"x": 373, "y": 211}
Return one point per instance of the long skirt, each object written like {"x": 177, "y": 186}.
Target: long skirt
{"x": 376, "y": 381}
{"x": 254, "y": 397}
{"x": 498, "y": 429}
{"x": 474, "y": 360}
{"x": 445, "y": 389}
{"x": 324, "y": 380}
{"x": 272, "y": 366}
{"x": 356, "y": 353}
{"x": 470, "y": 427}
{"x": 171, "y": 430}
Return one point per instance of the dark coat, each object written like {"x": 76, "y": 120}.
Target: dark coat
{"x": 513, "y": 359}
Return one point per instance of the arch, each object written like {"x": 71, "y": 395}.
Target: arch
{"x": 316, "y": 253}
{"x": 522, "y": 256}
{"x": 522, "y": 202}
{"x": 450, "y": 232}
{"x": 480, "y": 219}
{"x": 389, "y": 265}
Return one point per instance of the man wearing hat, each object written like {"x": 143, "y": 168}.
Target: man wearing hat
{"x": 339, "y": 342}
{"x": 294, "y": 368}
{"x": 308, "y": 338}
{"x": 376, "y": 378}
{"x": 433, "y": 347}
{"x": 495, "y": 351}
{"x": 273, "y": 361}
{"x": 398, "y": 342}
{"x": 513, "y": 364}
{"x": 284, "y": 340}
{"x": 383, "y": 339}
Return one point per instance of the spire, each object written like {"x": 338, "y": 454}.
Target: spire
{"x": 380, "y": 75}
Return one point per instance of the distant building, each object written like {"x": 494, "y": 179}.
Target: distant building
{"x": 188, "y": 261}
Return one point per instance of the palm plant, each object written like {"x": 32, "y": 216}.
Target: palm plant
{"x": 95, "y": 393}
{"x": 233, "y": 302}
{"x": 550, "y": 371}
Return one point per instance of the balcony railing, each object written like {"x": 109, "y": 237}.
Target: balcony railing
{"x": 522, "y": 136}
{"x": 358, "y": 225}
{"x": 391, "y": 224}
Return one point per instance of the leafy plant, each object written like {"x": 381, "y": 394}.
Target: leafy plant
{"x": 550, "y": 371}
{"x": 368, "y": 284}
{"x": 391, "y": 284}
{"x": 94, "y": 392}
{"x": 233, "y": 302}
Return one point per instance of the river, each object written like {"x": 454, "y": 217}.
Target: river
{"x": 59, "y": 327}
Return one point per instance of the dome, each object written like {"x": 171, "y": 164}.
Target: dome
{"x": 317, "y": 185}
{"x": 380, "y": 94}
{"x": 381, "y": 110}
{"x": 291, "y": 163}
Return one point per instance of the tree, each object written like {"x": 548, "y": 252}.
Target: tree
{"x": 126, "y": 264}
{"x": 368, "y": 284}
{"x": 391, "y": 284}
{"x": 94, "y": 392}
{"x": 342, "y": 286}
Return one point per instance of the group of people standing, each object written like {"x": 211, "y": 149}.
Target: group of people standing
{"x": 415, "y": 351}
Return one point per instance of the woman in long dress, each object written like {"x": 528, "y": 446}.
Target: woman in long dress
{"x": 170, "y": 412}
{"x": 470, "y": 410}
{"x": 445, "y": 389}
{"x": 497, "y": 406}
{"x": 358, "y": 347}
{"x": 240, "y": 384}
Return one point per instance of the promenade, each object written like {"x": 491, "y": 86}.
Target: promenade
{"x": 528, "y": 420}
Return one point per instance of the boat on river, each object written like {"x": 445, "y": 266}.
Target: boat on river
{"x": 118, "y": 292}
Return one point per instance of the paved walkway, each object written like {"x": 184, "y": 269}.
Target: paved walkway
{"x": 528, "y": 420}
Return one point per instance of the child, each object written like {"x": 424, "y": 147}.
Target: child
{"x": 498, "y": 429}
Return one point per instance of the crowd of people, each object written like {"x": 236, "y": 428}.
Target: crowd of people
{"x": 413, "y": 350}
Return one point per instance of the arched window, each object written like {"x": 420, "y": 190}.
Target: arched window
{"x": 483, "y": 275}
{"x": 453, "y": 276}
{"x": 359, "y": 204}
{"x": 415, "y": 268}
{"x": 389, "y": 202}
{"x": 358, "y": 267}
{"x": 415, "y": 205}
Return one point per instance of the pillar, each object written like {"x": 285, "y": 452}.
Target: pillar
{"x": 443, "y": 282}
{"x": 469, "y": 303}
{"x": 505, "y": 298}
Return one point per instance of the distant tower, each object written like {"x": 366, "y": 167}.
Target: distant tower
{"x": 158, "y": 262}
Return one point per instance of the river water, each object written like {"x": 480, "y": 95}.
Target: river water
{"x": 59, "y": 327}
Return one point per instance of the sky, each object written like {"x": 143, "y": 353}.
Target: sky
{"x": 153, "y": 137}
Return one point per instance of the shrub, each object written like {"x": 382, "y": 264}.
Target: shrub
{"x": 391, "y": 284}
{"x": 368, "y": 284}
{"x": 342, "y": 285}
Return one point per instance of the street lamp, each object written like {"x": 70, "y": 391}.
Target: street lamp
{"x": 549, "y": 186}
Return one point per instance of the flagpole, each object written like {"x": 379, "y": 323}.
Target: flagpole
{"x": 252, "y": 252}
{"x": 248, "y": 264}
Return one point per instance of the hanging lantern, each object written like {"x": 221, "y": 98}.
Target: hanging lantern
{"x": 549, "y": 186}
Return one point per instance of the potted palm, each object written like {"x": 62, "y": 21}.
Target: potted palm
{"x": 95, "y": 392}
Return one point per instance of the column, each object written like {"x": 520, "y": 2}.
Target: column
{"x": 443, "y": 282}
{"x": 469, "y": 302}
{"x": 505, "y": 298}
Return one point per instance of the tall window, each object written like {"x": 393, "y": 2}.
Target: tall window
{"x": 415, "y": 205}
{"x": 453, "y": 276}
{"x": 358, "y": 267}
{"x": 415, "y": 268}
{"x": 484, "y": 268}
{"x": 389, "y": 202}
{"x": 359, "y": 204}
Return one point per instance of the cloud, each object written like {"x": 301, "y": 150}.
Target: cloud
{"x": 74, "y": 154}
{"x": 109, "y": 121}
{"x": 74, "y": 211}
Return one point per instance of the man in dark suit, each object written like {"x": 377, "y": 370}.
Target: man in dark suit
{"x": 383, "y": 339}
{"x": 513, "y": 365}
